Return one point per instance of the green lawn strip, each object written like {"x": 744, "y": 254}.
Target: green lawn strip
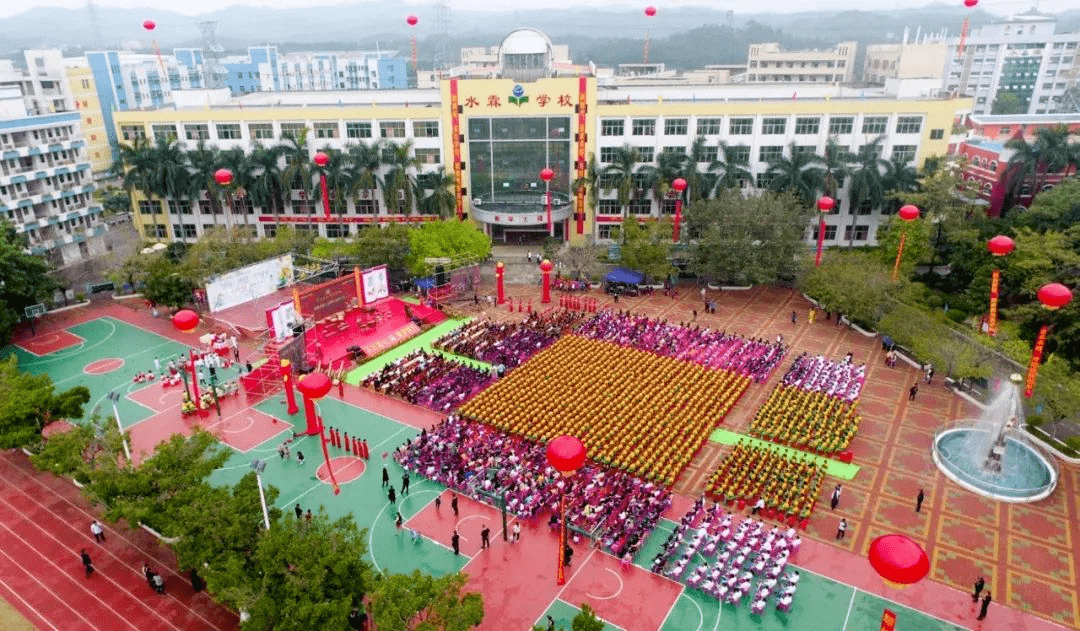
{"x": 835, "y": 468}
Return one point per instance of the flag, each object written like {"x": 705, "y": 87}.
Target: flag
{"x": 794, "y": 95}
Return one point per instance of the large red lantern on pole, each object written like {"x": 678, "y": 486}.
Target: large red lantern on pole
{"x": 678, "y": 185}
{"x": 500, "y": 294}
{"x": 187, "y": 321}
{"x": 321, "y": 160}
{"x": 315, "y": 386}
{"x": 546, "y": 174}
{"x": 567, "y": 455}
{"x": 545, "y": 269}
{"x": 1053, "y": 296}
{"x": 223, "y": 177}
{"x": 999, "y": 246}
{"x": 149, "y": 25}
{"x": 412, "y": 21}
{"x": 908, "y": 213}
{"x": 825, "y": 204}
{"x": 650, "y": 12}
{"x": 286, "y": 378}
{"x": 898, "y": 560}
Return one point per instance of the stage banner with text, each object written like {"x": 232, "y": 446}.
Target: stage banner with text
{"x": 249, "y": 283}
{"x": 375, "y": 283}
{"x": 328, "y": 298}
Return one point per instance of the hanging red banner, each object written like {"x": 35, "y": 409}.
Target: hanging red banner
{"x": 1036, "y": 359}
{"x": 455, "y": 139}
{"x": 579, "y": 204}
{"x": 995, "y": 282}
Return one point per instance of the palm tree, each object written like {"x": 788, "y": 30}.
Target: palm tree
{"x": 619, "y": 176}
{"x": 266, "y": 189}
{"x": 170, "y": 171}
{"x": 400, "y": 184}
{"x": 243, "y": 170}
{"x": 338, "y": 179}
{"x": 203, "y": 161}
{"x": 835, "y": 163}
{"x": 730, "y": 167}
{"x": 798, "y": 174}
{"x": 1049, "y": 153}
{"x": 901, "y": 176}
{"x": 698, "y": 183}
{"x": 659, "y": 177}
{"x": 867, "y": 186}
{"x": 135, "y": 166}
{"x": 441, "y": 200}
{"x": 363, "y": 168}
{"x": 298, "y": 166}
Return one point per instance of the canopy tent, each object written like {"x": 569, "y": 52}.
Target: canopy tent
{"x": 425, "y": 283}
{"x": 628, "y": 277}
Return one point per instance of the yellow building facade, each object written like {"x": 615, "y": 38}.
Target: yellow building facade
{"x": 81, "y": 86}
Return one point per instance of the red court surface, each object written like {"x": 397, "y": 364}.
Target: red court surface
{"x": 48, "y": 342}
{"x": 44, "y": 523}
{"x": 346, "y": 469}
{"x": 518, "y": 580}
{"x": 103, "y": 366}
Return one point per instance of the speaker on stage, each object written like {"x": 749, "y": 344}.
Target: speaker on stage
{"x": 298, "y": 329}
{"x": 440, "y": 275}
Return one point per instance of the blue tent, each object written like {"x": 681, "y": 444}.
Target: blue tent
{"x": 425, "y": 283}
{"x": 620, "y": 275}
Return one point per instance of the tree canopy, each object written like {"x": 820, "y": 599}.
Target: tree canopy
{"x": 29, "y": 402}
{"x": 420, "y": 602}
{"x": 24, "y": 279}
{"x": 439, "y": 239}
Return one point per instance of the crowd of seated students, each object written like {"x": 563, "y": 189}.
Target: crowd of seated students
{"x": 643, "y": 413}
{"x": 806, "y": 419}
{"x": 731, "y": 558}
{"x": 706, "y": 347}
{"x": 474, "y": 459}
{"x": 779, "y": 486}
{"x": 841, "y": 379}
{"x": 507, "y": 344}
{"x": 430, "y": 380}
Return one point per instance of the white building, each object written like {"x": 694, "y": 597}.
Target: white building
{"x": 46, "y": 184}
{"x": 769, "y": 63}
{"x": 922, "y": 57}
{"x": 1022, "y": 55}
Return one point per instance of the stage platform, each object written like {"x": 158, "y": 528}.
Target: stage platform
{"x": 249, "y": 318}
{"x": 328, "y": 343}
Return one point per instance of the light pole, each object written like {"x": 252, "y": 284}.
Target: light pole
{"x": 999, "y": 246}
{"x": 678, "y": 185}
{"x": 908, "y": 213}
{"x": 224, "y": 178}
{"x": 1053, "y": 296}
{"x": 567, "y": 455}
{"x": 321, "y": 160}
{"x": 825, "y": 204}
{"x": 114, "y": 396}
{"x": 258, "y": 466}
{"x": 546, "y": 174}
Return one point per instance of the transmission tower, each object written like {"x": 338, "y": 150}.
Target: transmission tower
{"x": 95, "y": 26}
{"x": 213, "y": 71}
{"x": 442, "y": 27}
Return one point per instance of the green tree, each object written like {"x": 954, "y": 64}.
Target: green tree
{"x": 731, "y": 167}
{"x": 586, "y": 620}
{"x": 338, "y": 180}
{"x": 867, "y": 188}
{"x": 917, "y": 247}
{"x": 854, "y": 283}
{"x": 800, "y": 174}
{"x": 1056, "y": 209}
{"x": 114, "y": 200}
{"x": 29, "y": 402}
{"x": 445, "y": 239}
{"x": 698, "y": 183}
{"x": 1007, "y": 103}
{"x": 584, "y": 260}
{"x": 24, "y": 279}
{"x": 835, "y": 163}
{"x": 244, "y": 171}
{"x": 299, "y": 169}
{"x": 419, "y": 602}
{"x": 400, "y": 181}
{"x": 619, "y": 176}
{"x": 743, "y": 240}
{"x": 437, "y": 193}
{"x": 1058, "y": 390}
{"x": 266, "y": 189}
{"x": 668, "y": 167}
{"x": 646, "y": 248}
{"x": 167, "y": 283}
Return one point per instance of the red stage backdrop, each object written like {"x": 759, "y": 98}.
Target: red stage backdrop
{"x": 326, "y": 299}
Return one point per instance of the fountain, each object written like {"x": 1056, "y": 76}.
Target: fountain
{"x": 991, "y": 456}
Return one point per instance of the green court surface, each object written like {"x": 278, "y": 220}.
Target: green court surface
{"x": 424, "y": 340}
{"x": 563, "y": 614}
{"x": 106, "y": 338}
{"x": 835, "y": 468}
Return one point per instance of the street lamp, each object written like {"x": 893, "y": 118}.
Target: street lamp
{"x": 546, "y": 174}
{"x": 1053, "y": 296}
{"x": 999, "y": 246}
{"x": 679, "y": 185}
{"x": 114, "y": 396}
{"x": 259, "y": 466}
{"x": 224, "y": 178}
{"x": 825, "y": 204}
{"x": 186, "y": 321}
{"x": 315, "y": 386}
{"x": 567, "y": 455}
{"x": 321, "y": 160}
{"x": 909, "y": 213}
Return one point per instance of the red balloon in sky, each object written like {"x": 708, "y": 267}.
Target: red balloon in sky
{"x": 650, "y": 11}
{"x": 970, "y": 3}
{"x": 149, "y": 25}
{"x": 412, "y": 20}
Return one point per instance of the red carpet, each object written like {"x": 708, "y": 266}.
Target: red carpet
{"x": 375, "y": 331}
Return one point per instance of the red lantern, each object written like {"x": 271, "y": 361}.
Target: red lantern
{"x": 679, "y": 185}
{"x": 546, "y": 266}
{"x": 322, "y": 159}
{"x": 315, "y": 385}
{"x": 546, "y": 174}
{"x": 826, "y": 204}
{"x": 565, "y": 453}
{"x": 898, "y": 559}
{"x": 1054, "y": 296}
{"x": 1000, "y": 245}
{"x": 185, "y": 320}
{"x": 909, "y": 212}
{"x": 970, "y": 3}
{"x": 149, "y": 25}
{"x": 650, "y": 11}
{"x": 223, "y": 177}
{"x": 411, "y": 20}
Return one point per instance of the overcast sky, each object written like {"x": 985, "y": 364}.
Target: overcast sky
{"x": 194, "y": 7}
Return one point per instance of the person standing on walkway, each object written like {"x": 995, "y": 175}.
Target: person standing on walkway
{"x": 516, "y": 530}
{"x": 299, "y": 457}
{"x": 985, "y": 605}
{"x": 979, "y": 584}
{"x": 157, "y": 365}
{"x": 794, "y": 318}
{"x": 97, "y": 531}
{"x": 453, "y": 504}
{"x": 810, "y": 317}
{"x": 919, "y": 500}
{"x": 841, "y": 529}
{"x": 455, "y": 542}
{"x": 385, "y": 477}
{"x": 299, "y": 511}
{"x": 88, "y": 564}
{"x": 392, "y": 495}
{"x": 438, "y": 502}
{"x": 834, "y": 501}
{"x": 405, "y": 483}
{"x": 485, "y": 537}
{"x": 551, "y": 621}
{"x": 912, "y": 392}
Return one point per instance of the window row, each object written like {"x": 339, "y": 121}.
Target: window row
{"x": 265, "y": 131}
{"x": 744, "y": 126}
{"x": 740, "y": 154}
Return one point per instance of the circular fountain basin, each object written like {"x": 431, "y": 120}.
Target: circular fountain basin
{"x": 1027, "y": 475}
